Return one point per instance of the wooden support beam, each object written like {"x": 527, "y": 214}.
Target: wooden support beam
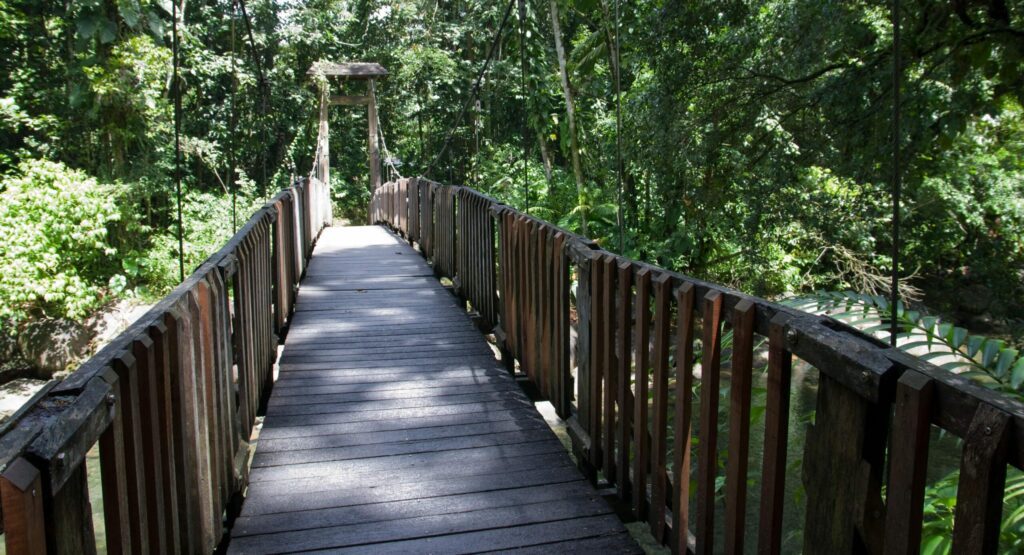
{"x": 340, "y": 100}
{"x": 374, "y": 150}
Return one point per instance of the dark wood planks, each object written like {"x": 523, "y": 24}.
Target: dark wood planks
{"x": 393, "y": 428}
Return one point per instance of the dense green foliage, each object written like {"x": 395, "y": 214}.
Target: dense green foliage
{"x": 55, "y": 242}
{"x": 755, "y": 136}
{"x": 87, "y": 143}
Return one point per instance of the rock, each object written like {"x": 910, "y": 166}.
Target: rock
{"x": 52, "y": 344}
{"x": 106, "y": 324}
{"x": 975, "y": 299}
{"x": 8, "y": 347}
{"x": 983, "y": 324}
{"x": 15, "y": 394}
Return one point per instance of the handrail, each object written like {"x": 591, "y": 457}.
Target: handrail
{"x": 171, "y": 402}
{"x": 515, "y": 271}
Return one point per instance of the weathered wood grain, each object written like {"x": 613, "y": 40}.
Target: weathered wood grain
{"x": 393, "y": 426}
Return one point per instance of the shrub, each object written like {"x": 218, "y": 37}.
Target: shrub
{"x": 55, "y": 253}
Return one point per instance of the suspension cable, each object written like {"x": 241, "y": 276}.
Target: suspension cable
{"x": 476, "y": 87}
{"x": 233, "y": 124}
{"x": 264, "y": 88}
{"x": 526, "y": 104}
{"x": 897, "y": 178}
{"x": 380, "y": 133}
{"x": 176, "y": 93}
{"x": 618, "y": 132}
{"x": 252, "y": 46}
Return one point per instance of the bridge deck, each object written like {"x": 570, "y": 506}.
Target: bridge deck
{"x": 393, "y": 428}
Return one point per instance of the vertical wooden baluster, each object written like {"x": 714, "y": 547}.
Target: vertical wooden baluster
{"x": 641, "y": 437}
{"x": 491, "y": 275}
{"x": 624, "y": 380}
{"x": 488, "y": 287}
{"x": 229, "y": 433}
{"x": 598, "y": 321}
{"x": 241, "y": 325}
{"x": 547, "y": 303}
{"x": 533, "y": 270}
{"x": 707, "y": 460}
{"x": 504, "y": 268}
{"x": 523, "y": 296}
{"x": 460, "y": 222}
{"x": 124, "y": 366}
{"x": 451, "y": 212}
{"x": 113, "y": 478}
{"x": 476, "y": 248}
{"x": 467, "y": 256}
{"x": 908, "y": 464}
{"x": 685, "y": 301}
{"x": 979, "y": 495}
{"x": 511, "y": 269}
{"x": 776, "y": 438}
{"x": 659, "y": 423}
{"x": 563, "y": 390}
{"x": 277, "y": 277}
{"x": 161, "y": 378}
{"x": 609, "y": 367}
{"x": 526, "y": 301}
{"x": 739, "y": 426}
{"x": 179, "y": 339}
{"x": 21, "y": 494}
{"x": 198, "y": 419}
{"x": 252, "y": 321}
{"x": 205, "y": 374}
{"x": 67, "y": 513}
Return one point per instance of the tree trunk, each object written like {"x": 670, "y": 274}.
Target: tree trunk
{"x": 612, "y": 43}
{"x": 570, "y": 111}
{"x": 544, "y": 155}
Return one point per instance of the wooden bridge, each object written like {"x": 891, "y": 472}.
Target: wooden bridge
{"x": 393, "y": 427}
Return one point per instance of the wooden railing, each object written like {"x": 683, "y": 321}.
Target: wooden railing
{"x": 629, "y": 395}
{"x": 171, "y": 403}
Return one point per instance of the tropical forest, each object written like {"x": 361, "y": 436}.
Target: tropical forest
{"x": 860, "y": 160}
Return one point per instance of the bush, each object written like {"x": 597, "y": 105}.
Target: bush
{"x": 207, "y": 223}
{"x": 55, "y": 252}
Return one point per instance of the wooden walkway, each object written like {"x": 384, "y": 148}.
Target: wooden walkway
{"x": 392, "y": 428}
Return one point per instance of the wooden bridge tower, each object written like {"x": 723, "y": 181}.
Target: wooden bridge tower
{"x": 359, "y": 71}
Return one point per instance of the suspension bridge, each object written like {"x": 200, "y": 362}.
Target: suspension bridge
{"x": 375, "y": 389}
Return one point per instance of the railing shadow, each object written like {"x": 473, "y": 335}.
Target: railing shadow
{"x": 633, "y": 357}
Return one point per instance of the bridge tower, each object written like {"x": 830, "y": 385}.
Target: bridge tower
{"x": 355, "y": 71}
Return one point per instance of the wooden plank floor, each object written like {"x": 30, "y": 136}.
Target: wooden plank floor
{"x": 392, "y": 428}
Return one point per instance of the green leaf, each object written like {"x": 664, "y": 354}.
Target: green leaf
{"x": 959, "y": 335}
{"x": 1017, "y": 376}
{"x": 974, "y": 344}
{"x": 991, "y": 349}
{"x": 946, "y": 332}
{"x": 1006, "y": 358}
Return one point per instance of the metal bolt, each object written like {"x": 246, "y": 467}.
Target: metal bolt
{"x": 791, "y": 336}
{"x": 111, "y": 399}
{"x": 60, "y": 459}
{"x": 988, "y": 430}
{"x": 865, "y": 376}
{"x": 33, "y": 492}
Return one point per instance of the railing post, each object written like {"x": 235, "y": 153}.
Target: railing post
{"x": 21, "y": 493}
